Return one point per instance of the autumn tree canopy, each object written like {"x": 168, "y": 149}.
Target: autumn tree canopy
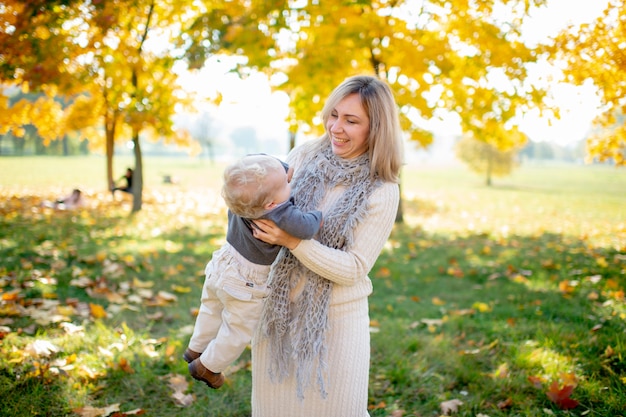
{"x": 110, "y": 61}
{"x": 467, "y": 58}
{"x": 441, "y": 57}
{"x": 486, "y": 159}
{"x": 596, "y": 53}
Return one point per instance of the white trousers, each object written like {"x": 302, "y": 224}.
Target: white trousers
{"x": 231, "y": 304}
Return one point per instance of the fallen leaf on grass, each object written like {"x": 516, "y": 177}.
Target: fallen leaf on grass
{"x": 135, "y": 412}
{"x": 112, "y": 269}
{"x": 508, "y": 403}
{"x": 71, "y": 328}
{"x": 502, "y": 371}
{"x": 482, "y": 307}
{"x": 179, "y": 384}
{"x": 82, "y": 282}
{"x": 455, "y": 271}
{"x": 181, "y": 289}
{"x": 536, "y": 381}
{"x": 41, "y": 348}
{"x": 561, "y": 396}
{"x": 463, "y": 312}
{"x": 167, "y": 296}
{"x": 608, "y": 352}
{"x": 381, "y": 405}
{"x": 125, "y": 366}
{"x": 111, "y": 411}
{"x": 89, "y": 411}
{"x": 97, "y": 311}
{"x": 159, "y": 315}
{"x": 137, "y": 283}
{"x": 4, "y": 330}
{"x": 451, "y": 406}
{"x": 383, "y": 272}
{"x": 437, "y": 301}
{"x": 566, "y": 287}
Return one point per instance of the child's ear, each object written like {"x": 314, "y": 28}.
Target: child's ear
{"x": 269, "y": 205}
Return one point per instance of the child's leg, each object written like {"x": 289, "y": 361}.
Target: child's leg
{"x": 242, "y": 309}
{"x": 209, "y": 316}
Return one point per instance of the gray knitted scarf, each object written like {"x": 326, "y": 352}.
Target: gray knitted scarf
{"x": 296, "y": 331}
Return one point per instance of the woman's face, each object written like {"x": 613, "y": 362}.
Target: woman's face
{"x": 348, "y": 126}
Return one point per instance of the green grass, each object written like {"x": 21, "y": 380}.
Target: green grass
{"x": 480, "y": 291}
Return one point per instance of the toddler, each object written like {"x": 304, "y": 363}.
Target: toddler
{"x": 256, "y": 186}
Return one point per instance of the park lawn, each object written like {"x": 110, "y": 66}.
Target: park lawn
{"x": 495, "y": 301}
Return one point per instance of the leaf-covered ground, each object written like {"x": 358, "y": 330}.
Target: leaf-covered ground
{"x": 487, "y": 302}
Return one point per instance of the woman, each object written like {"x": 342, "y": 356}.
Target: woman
{"x": 311, "y": 354}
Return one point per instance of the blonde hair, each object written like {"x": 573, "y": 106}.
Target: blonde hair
{"x": 384, "y": 140}
{"x": 245, "y": 190}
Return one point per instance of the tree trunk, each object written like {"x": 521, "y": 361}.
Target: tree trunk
{"x": 110, "y": 123}
{"x": 292, "y": 140}
{"x": 400, "y": 213}
{"x": 137, "y": 174}
{"x": 66, "y": 147}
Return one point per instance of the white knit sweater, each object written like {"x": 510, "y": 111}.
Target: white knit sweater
{"x": 348, "y": 336}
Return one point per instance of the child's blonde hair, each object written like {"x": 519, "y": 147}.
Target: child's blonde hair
{"x": 245, "y": 190}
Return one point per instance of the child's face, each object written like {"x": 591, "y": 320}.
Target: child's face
{"x": 279, "y": 180}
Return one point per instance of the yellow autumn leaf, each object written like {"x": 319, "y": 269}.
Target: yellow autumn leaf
{"x": 101, "y": 256}
{"x": 482, "y": 307}
{"x": 125, "y": 366}
{"x": 437, "y": 301}
{"x": 519, "y": 279}
{"x": 97, "y": 311}
{"x": 565, "y": 287}
{"x": 137, "y": 283}
{"x": 180, "y": 289}
{"x": 383, "y": 272}
{"x": 65, "y": 310}
{"x": 502, "y": 371}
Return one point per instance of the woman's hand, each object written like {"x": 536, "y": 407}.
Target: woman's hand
{"x": 267, "y": 231}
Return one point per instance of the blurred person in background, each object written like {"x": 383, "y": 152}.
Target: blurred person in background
{"x": 128, "y": 179}
{"x": 69, "y": 202}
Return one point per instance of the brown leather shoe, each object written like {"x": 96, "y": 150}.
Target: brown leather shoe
{"x": 189, "y": 355}
{"x": 199, "y": 372}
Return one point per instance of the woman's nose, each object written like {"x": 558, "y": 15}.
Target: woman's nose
{"x": 336, "y": 126}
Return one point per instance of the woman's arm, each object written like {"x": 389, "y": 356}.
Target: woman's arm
{"x": 345, "y": 267}
{"x": 351, "y": 266}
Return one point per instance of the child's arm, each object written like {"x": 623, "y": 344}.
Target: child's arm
{"x": 303, "y": 225}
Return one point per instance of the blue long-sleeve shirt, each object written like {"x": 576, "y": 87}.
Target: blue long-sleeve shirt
{"x": 303, "y": 225}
